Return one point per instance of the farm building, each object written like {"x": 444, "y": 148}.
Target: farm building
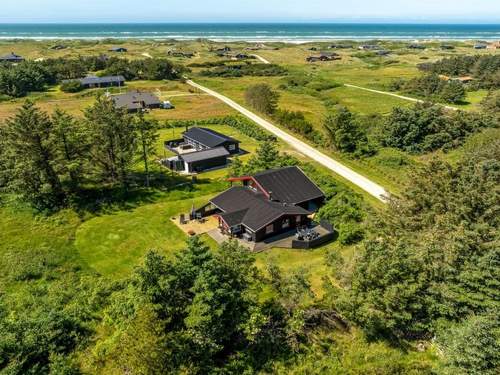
{"x": 266, "y": 204}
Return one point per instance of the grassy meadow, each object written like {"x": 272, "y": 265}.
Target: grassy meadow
{"x": 113, "y": 243}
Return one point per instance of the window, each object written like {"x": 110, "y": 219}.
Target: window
{"x": 270, "y": 229}
{"x": 298, "y": 219}
{"x": 232, "y": 147}
{"x": 286, "y": 223}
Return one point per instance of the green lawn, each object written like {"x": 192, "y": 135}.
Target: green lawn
{"x": 114, "y": 244}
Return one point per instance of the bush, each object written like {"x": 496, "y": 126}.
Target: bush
{"x": 323, "y": 85}
{"x": 425, "y": 128}
{"x": 350, "y": 233}
{"x": 294, "y": 121}
{"x": 253, "y": 70}
{"x": 242, "y": 124}
{"x": 71, "y": 86}
{"x": 262, "y": 98}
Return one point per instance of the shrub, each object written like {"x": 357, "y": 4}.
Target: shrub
{"x": 262, "y": 98}
{"x": 71, "y": 86}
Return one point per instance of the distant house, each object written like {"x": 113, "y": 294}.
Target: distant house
{"x": 447, "y": 47}
{"x": 369, "y": 47}
{"x": 224, "y": 49}
{"x": 136, "y": 101}
{"x": 340, "y": 46}
{"x": 11, "y": 58}
{"x": 198, "y": 161}
{"x": 416, "y": 46}
{"x": 99, "y": 82}
{"x": 204, "y": 139}
{"x": 58, "y": 47}
{"x": 118, "y": 49}
{"x": 480, "y": 46}
{"x": 186, "y": 55}
{"x": 324, "y": 56}
{"x": 200, "y": 149}
{"x": 266, "y": 204}
{"x": 241, "y": 56}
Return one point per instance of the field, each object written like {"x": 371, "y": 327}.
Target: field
{"x": 106, "y": 244}
{"x": 113, "y": 243}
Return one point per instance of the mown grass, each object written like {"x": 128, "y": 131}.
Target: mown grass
{"x": 114, "y": 244}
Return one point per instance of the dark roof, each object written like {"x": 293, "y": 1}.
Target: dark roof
{"x": 118, "y": 49}
{"x": 204, "y": 155}
{"x": 135, "y": 100}
{"x": 93, "y": 80}
{"x": 208, "y": 137}
{"x": 11, "y": 57}
{"x": 243, "y": 205}
{"x": 288, "y": 185}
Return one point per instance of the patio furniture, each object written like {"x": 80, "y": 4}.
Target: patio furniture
{"x": 182, "y": 219}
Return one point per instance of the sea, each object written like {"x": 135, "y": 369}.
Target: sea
{"x": 253, "y": 32}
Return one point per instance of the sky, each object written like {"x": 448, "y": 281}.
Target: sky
{"x": 422, "y": 11}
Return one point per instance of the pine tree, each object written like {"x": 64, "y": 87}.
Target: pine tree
{"x": 113, "y": 140}
{"x": 71, "y": 146}
{"x": 344, "y": 131}
{"x": 29, "y": 145}
{"x": 147, "y": 135}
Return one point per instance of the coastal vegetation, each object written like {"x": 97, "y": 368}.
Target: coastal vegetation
{"x": 96, "y": 277}
{"x": 17, "y": 80}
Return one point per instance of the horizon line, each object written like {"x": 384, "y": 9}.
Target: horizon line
{"x": 248, "y": 22}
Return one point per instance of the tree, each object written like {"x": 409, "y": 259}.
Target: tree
{"x": 452, "y": 92}
{"x": 491, "y": 103}
{"x": 262, "y": 98}
{"x": 147, "y": 131}
{"x": 29, "y": 145}
{"x": 71, "y": 86}
{"x": 205, "y": 301}
{"x": 267, "y": 157}
{"x": 71, "y": 146}
{"x": 344, "y": 211}
{"x": 344, "y": 130}
{"x": 113, "y": 138}
{"x": 427, "y": 127}
{"x": 141, "y": 348}
{"x": 435, "y": 255}
{"x": 472, "y": 347}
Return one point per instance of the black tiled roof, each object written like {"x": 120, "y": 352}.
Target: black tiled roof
{"x": 204, "y": 155}
{"x": 242, "y": 205}
{"x": 289, "y": 185}
{"x": 208, "y": 137}
{"x": 93, "y": 80}
{"x": 135, "y": 100}
{"x": 11, "y": 57}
